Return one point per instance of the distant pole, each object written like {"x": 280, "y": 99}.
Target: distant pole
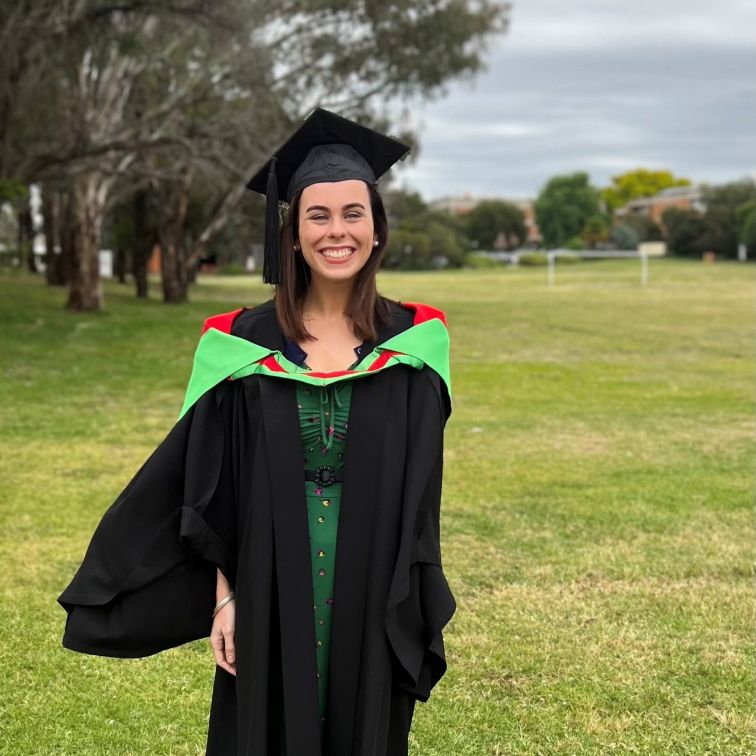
{"x": 550, "y": 256}
{"x": 644, "y": 269}
{"x": 742, "y": 252}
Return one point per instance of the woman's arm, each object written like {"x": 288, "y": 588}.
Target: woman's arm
{"x": 222, "y": 632}
{"x": 222, "y": 588}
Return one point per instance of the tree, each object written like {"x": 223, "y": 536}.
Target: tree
{"x": 408, "y": 250}
{"x": 644, "y": 227}
{"x": 595, "y": 230}
{"x": 726, "y": 210}
{"x": 403, "y": 206}
{"x": 495, "y": 224}
{"x": 156, "y": 96}
{"x": 685, "y": 232}
{"x": 421, "y": 238}
{"x": 638, "y": 183}
{"x": 564, "y": 206}
{"x": 625, "y": 236}
{"x": 747, "y": 219}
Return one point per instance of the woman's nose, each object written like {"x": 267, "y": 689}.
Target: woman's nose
{"x": 337, "y": 228}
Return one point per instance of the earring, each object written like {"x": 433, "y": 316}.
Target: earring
{"x": 375, "y": 243}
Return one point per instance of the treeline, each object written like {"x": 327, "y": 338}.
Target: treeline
{"x": 571, "y": 213}
{"x": 140, "y": 121}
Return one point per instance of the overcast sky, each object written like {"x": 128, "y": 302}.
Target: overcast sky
{"x": 603, "y": 86}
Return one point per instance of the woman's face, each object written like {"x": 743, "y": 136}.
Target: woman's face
{"x": 336, "y": 231}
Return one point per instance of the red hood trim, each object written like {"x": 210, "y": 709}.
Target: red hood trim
{"x": 222, "y": 322}
{"x": 425, "y": 312}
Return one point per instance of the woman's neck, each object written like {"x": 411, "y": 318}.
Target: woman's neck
{"x": 327, "y": 300}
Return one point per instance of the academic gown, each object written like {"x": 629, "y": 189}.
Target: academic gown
{"x": 225, "y": 489}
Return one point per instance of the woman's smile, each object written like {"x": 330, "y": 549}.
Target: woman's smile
{"x": 337, "y": 254}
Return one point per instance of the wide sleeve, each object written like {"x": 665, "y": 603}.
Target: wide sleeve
{"x": 420, "y": 602}
{"x": 147, "y": 580}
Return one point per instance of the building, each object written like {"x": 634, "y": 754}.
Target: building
{"x": 681, "y": 197}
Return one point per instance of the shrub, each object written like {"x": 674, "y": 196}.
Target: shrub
{"x": 479, "y": 260}
{"x": 575, "y": 243}
{"x": 534, "y": 258}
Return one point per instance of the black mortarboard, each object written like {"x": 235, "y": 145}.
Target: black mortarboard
{"x": 326, "y": 147}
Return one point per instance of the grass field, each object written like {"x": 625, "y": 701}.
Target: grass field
{"x": 597, "y": 520}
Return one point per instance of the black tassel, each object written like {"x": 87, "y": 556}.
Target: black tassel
{"x": 272, "y": 256}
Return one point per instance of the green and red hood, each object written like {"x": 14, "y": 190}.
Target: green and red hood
{"x": 220, "y": 355}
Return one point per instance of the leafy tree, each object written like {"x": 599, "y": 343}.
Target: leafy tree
{"x": 160, "y": 96}
{"x": 441, "y": 233}
{"x": 625, "y": 236}
{"x": 638, "y": 183}
{"x": 645, "y": 228}
{"x": 564, "y": 206}
{"x": 445, "y": 243}
{"x": 495, "y": 224}
{"x": 726, "y": 210}
{"x": 407, "y": 250}
{"x": 403, "y": 206}
{"x": 685, "y": 232}
{"x": 595, "y": 230}
{"x": 747, "y": 218}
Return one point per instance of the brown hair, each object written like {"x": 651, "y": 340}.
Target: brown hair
{"x": 367, "y": 309}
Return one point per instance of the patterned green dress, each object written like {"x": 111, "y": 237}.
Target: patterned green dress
{"x": 323, "y": 419}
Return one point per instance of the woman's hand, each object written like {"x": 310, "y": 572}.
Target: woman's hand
{"x": 222, "y": 637}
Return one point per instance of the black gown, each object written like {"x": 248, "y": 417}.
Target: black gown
{"x": 147, "y": 582}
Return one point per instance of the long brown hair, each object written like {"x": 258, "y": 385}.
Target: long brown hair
{"x": 367, "y": 309}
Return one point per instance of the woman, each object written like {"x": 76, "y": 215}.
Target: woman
{"x": 317, "y": 414}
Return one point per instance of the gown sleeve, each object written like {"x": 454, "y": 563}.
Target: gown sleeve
{"x": 147, "y": 580}
{"x": 420, "y": 601}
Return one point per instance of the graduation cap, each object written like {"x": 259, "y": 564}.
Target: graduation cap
{"x": 326, "y": 147}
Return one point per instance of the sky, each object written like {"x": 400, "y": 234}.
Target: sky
{"x": 604, "y": 87}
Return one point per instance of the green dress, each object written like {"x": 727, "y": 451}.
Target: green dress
{"x": 323, "y": 420}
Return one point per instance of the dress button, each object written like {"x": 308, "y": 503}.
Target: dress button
{"x": 321, "y": 572}
{"x": 319, "y": 643}
{"x": 326, "y": 502}
{"x": 321, "y": 518}
{"x": 321, "y": 553}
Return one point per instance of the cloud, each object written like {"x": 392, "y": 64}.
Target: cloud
{"x": 606, "y": 89}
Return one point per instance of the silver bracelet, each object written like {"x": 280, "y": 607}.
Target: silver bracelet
{"x": 222, "y": 603}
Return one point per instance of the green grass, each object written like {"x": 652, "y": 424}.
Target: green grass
{"x": 597, "y": 516}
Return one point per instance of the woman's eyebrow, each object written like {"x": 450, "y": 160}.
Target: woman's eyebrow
{"x": 327, "y": 209}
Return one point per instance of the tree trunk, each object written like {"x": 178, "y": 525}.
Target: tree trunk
{"x": 55, "y": 270}
{"x": 173, "y": 207}
{"x": 85, "y": 292}
{"x": 26, "y": 237}
{"x": 144, "y": 238}
{"x": 120, "y": 264}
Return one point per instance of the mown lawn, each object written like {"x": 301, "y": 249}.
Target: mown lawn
{"x": 597, "y": 518}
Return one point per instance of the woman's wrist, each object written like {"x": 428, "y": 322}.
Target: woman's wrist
{"x": 227, "y": 599}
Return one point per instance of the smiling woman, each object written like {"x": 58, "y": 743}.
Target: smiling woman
{"x": 300, "y": 498}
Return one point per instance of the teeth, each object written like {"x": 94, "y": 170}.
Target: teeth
{"x": 336, "y": 252}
